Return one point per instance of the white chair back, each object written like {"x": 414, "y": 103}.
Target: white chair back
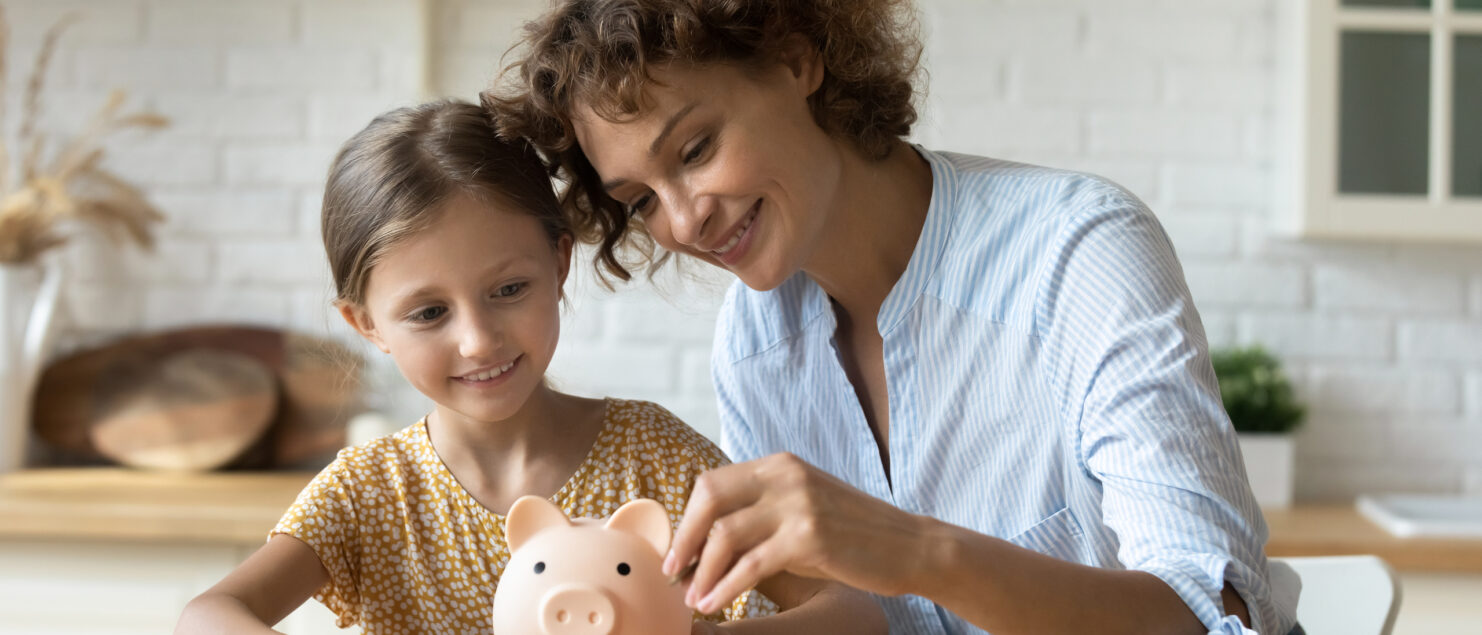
{"x": 1346, "y": 595}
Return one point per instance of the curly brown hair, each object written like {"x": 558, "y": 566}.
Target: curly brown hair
{"x": 601, "y": 54}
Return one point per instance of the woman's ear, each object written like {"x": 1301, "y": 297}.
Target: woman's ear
{"x": 803, "y": 59}
{"x": 359, "y": 319}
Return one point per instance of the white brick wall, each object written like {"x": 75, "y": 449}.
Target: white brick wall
{"x": 1343, "y": 287}
{"x": 1474, "y": 393}
{"x": 1476, "y": 294}
{"x": 260, "y": 95}
{"x": 1172, "y": 98}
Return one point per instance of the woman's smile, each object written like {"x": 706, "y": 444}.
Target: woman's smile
{"x": 739, "y": 242}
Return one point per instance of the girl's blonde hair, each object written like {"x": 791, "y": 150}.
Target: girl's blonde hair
{"x": 602, "y": 53}
{"x": 392, "y": 178}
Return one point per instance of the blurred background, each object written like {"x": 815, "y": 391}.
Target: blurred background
{"x": 1208, "y": 110}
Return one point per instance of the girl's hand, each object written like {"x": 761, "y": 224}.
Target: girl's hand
{"x": 750, "y": 520}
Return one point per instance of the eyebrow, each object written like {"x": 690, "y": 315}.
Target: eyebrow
{"x": 653, "y": 149}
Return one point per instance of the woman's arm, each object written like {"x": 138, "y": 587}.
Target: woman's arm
{"x": 780, "y": 514}
{"x": 1005, "y": 588}
{"x": 260, "y": 592}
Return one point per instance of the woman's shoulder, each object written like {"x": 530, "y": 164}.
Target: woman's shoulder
{"x": 972, "y": 181}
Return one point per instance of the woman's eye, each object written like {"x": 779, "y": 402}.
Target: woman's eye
{"x": 637, "y": 207}
{"x": 697, "y": 151}
{"x": 429, "y": 314}
{"x": 509, "y": 290}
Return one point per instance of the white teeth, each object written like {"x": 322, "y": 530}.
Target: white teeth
{"x": 731, "y": 244}
{"x": 490, "y": 374}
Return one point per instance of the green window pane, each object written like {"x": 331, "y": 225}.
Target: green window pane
{"x": 1466, "y": 146}
{"x": 1392, "y": 3}
{"x": 1384, "y": 113}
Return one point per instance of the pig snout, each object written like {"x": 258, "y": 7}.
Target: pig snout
{"x": 576, "y": 609}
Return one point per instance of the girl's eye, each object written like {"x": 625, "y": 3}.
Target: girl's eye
{"x": 636, "y": 208}
{"x": 429, "y": 314}
{"x": 509, "y": 290}
{"x": 697, "y": 151}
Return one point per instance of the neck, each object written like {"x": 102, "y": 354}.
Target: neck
{"x": 531, "y": 432}
{"x": 873, "y": 230}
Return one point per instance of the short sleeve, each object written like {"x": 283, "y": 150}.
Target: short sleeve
{"x": 1132, "y": 367}
{"x": 324, "y": 518}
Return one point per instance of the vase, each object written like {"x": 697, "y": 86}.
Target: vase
{"x": 1269, "y": 462}
{"x": 28, "y": 301}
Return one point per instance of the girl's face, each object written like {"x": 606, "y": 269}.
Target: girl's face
{"x": 469, "y": 308}
{"x": 725, "y": 165}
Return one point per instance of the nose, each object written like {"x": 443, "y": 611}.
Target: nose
{"x": 477, "y": 338}
{"x": 576, "y": 609}
{"x": 690, "y": 213}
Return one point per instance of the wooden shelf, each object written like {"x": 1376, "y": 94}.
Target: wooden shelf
{"x": 130, "y": 505}
{"x": 1340, "y": 530}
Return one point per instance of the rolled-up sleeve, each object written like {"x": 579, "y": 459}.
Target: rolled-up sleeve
{"x": 1133, "y": 369}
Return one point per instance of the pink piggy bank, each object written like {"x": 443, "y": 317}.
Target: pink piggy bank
{"x": 588, "y": 577}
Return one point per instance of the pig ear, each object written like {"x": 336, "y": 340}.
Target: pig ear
{"x": 646, "y": 518}
{"x": 528, "y": 516}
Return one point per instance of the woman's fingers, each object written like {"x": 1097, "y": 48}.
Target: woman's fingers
{"x": 756, "y": 564}
{"x": 750, "y": 520}
{"x": 734, "y": 534}
{"x": 717, "y": 492}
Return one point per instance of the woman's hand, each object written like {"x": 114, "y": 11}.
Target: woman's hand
{"x": 750, "y": 520}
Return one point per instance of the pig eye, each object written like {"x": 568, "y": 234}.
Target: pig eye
{"x": 540, "y": 567}
{"x": 624, "y": 569}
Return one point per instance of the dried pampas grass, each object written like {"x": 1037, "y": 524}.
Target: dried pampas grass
{"x": 72, "y": 185}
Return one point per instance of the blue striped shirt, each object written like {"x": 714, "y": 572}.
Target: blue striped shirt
{"x": 1049, "y": 384}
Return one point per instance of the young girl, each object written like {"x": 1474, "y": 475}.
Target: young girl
{"x": 449, "y": 250}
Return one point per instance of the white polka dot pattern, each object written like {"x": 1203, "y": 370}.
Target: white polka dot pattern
{"x": 408, "y": 550}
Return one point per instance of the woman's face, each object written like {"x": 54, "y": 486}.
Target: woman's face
{"x": 469, "y": 308}
{"x": 725, "y": 165}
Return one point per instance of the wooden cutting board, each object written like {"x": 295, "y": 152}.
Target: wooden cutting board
{"x": 316, "y": 381}
{"x": 194, "y": 410}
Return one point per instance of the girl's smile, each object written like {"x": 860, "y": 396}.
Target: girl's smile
{"x": 469, "y": 308}
{"x": 490, "y": 376}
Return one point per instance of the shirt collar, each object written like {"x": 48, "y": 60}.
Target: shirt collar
{"x": 929, "y": 246}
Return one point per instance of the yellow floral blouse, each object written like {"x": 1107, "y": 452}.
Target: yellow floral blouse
{"x": 408, "y": 550}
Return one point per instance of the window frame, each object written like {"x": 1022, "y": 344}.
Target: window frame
{"x": 1309, "y": 204}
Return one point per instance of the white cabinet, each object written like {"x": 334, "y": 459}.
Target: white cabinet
{"x": 1434, "y": 603}
{"x": 1378, "y": 127}
{"x": 70, "y": 587}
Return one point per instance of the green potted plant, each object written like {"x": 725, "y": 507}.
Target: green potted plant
{"x": 1264, "y": 411}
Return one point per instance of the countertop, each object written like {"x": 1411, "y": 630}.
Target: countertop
{"x": 1322, "y": 530}
{"x": 121, "y": 504}
{"x": 117, "y": 504}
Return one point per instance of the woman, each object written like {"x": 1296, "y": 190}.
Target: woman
{"x": 977, "y": 388}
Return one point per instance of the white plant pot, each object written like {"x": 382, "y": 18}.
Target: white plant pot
{"x": 28, "y": 299}
{"x": 1269, "y": 460}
